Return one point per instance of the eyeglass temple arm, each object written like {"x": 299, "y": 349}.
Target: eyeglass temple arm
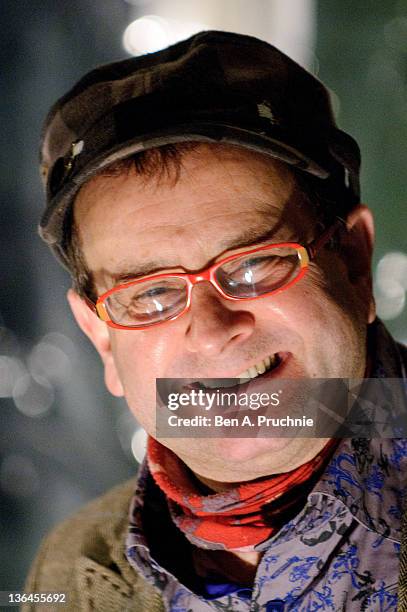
{"x": 90, "y": 304}
{"x": 319, "y": 242}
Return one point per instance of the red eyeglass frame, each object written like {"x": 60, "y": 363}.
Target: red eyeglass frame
{"x": 306, "y": 254}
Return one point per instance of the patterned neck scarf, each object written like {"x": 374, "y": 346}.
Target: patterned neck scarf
{"x": 241, "y": 517}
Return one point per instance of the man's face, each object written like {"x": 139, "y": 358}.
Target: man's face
{"x": 223, "y": 200}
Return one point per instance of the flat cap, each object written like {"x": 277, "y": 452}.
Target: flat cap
{"x": 213, "y": 87}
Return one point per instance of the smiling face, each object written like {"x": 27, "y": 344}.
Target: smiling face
{"x": 224, "y": 199}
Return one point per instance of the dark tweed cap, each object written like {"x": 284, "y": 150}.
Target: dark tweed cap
{"x": 213, "y": 87}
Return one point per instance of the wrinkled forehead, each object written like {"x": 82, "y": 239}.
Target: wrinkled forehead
{"x": 207, "y": 171}
{"x": 219, "y": 199}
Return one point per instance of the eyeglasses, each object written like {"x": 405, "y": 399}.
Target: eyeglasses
{"x": 253, "y": 274}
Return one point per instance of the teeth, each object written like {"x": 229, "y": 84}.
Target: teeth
{"x": 259, "y": 368}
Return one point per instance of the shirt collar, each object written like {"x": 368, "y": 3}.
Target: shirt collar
{"x": 368, "y": 477}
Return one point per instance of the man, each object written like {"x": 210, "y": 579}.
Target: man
{"x": 170, "y": 180}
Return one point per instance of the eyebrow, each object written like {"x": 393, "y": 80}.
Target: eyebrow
{"x": 248, "y": 238}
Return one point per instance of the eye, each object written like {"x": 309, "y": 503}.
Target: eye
{"x": 255, "y": 269}
{"x": 149, "y": 301}
{"x": 160, "y": 298}
{"x": 259, "y": 273}
{"x": 162, "y": 292}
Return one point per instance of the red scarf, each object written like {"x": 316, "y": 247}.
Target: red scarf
{"x": 241, "y": 517}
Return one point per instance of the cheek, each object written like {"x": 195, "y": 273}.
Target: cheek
{"x": 140, "y": 355}
{"x": 329, "y": 296}
{"x": 326, "y": 333}
{"x": 334, "y": 282}
{"x": 304, "y": 306}
{"x": 140, "y": 358}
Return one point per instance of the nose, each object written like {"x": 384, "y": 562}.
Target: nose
{"x": 215, "y": 324}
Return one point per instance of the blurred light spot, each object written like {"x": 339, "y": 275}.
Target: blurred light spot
{"x": 33, "y": 397}
{"x": 139, "y": 444}
{"x": 391, "y": 285}
{"x": 11, "y": 370}
{"x": 392, "y": 265}
{"x": 18, "y": 476}
{"x": 146, "y": 35}
{"x": 49, "y": 362}
{"x": 151, "y": 33}
{"x": 126, "y": 426}
{"x": 390, "y": 300}
{"x": 61, "y": 341}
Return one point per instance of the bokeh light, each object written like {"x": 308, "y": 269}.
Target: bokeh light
{"x": 50, "y": 362}
{"x": 132, "y": 437}
{"x": 33, "y": 396}
{"x": 126, "y": 426}
{"x": 139, "y": 444}
{"x": 391, "y": 284}
{"x": 151, "y": 33}
{"x": 62, "y": 342}
{"x": 11, "y": 370}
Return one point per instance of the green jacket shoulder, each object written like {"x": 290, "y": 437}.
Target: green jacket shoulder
{"x": 84, "y": 557}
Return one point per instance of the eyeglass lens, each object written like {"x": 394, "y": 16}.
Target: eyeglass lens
{"x": 157, "y": 300}
{"x": 259, "y": 273}
{"x": 146, "y": 303}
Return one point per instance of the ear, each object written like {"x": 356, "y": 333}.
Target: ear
{"x": 357, "y": 246}
{"x": 98, "y": 333}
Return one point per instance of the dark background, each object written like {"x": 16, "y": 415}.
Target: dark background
{"x": 63, "y": 439}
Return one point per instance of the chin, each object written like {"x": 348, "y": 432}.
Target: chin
{"x": 232, "y": 450}
{"x": 242, "y": 459}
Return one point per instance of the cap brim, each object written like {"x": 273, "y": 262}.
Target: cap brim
{"x": 52, "y": 225}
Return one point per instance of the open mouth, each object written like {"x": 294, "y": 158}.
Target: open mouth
{"x": 271, "y": 362}
{"x": 266, "y": 368}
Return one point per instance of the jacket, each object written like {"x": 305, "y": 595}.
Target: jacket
{"x": 85, "y": 558}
